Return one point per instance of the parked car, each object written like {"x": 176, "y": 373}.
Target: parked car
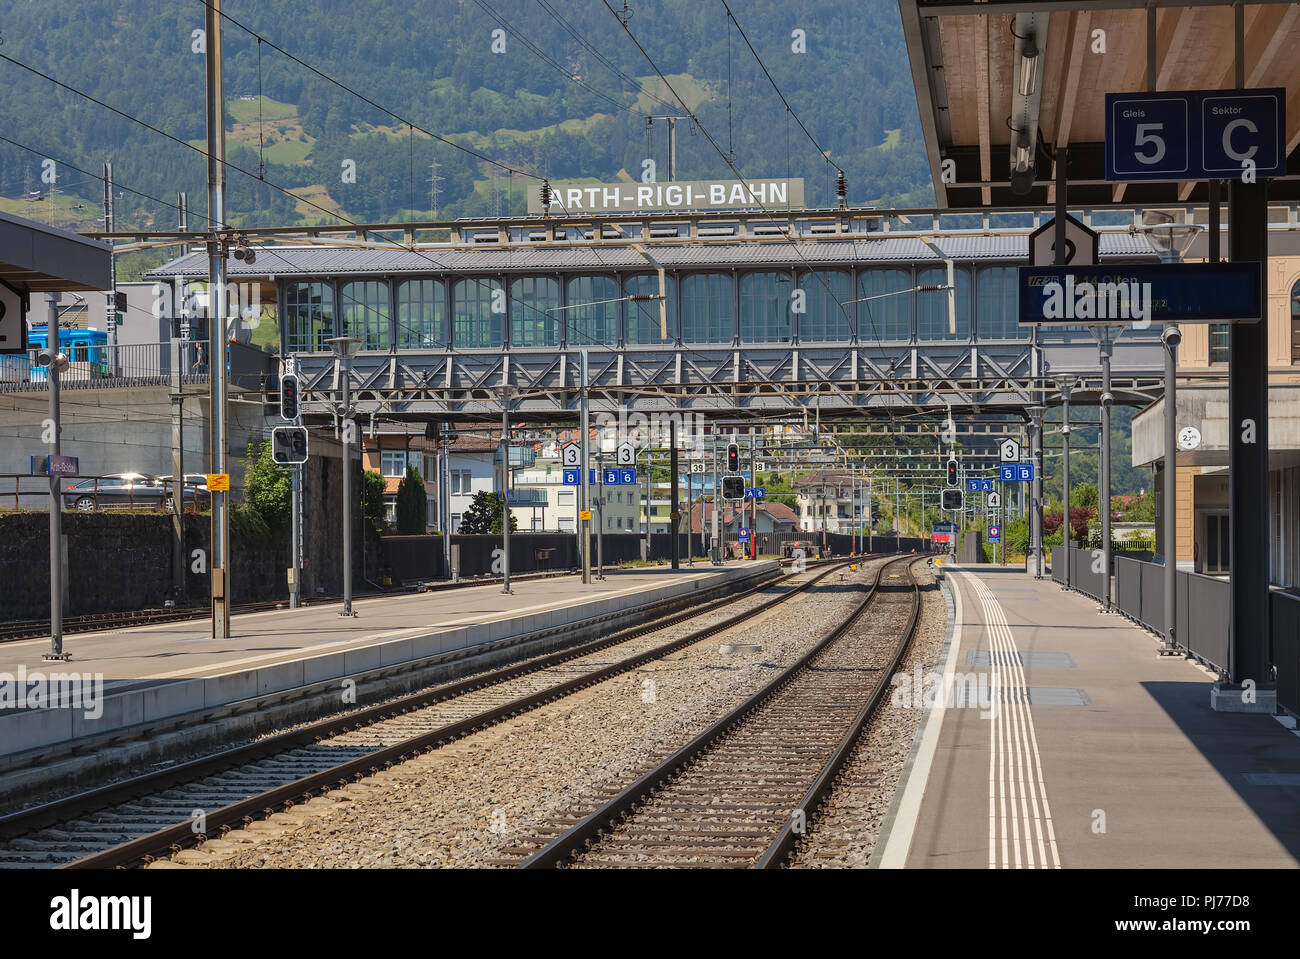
{"x": 130, "y": 490}
{"x": 133, "y": 491}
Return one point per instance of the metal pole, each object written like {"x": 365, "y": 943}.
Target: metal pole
{"x": 110, "y": 310}
{"x": 600, "y": 517}
{"x": 295, "y": 593}
{"x": 56, "y": 507}
{"x": 645, "y": 535}
{"x": 180, "y": 323}
{"x": 1171, "y": 486}
{"x": 178, "y": 461}
{"x": 716, "y": 540}
{"x": 216, "y": 124}
{"x": 753, "y": 522}
{"x": 505, "y": 489}
{"x": 1103, "y": 484}
{"x": 690, "y": 515}
{"x": 444, "y": 500}
{"x": 1065, "y": 478}
{"x": 1036, "y": 514}
{"x": 348, "y": 429}
{"x": 584, "y": 526}
{"x": 674, "y": 514}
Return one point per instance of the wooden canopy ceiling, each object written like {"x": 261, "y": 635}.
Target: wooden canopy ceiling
{"x": 962, "y": 54}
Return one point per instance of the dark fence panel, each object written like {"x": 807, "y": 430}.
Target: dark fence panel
{"x": 1203, "y": 604}
{"x": 1153, "y": 597}
{"x": 1128, "y": 587}
{"x": 1058, "y": 564}
{"x": 1285, "y": 629}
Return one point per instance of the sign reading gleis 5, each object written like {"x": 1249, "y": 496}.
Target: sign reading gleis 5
{"x": 569, "y": 198}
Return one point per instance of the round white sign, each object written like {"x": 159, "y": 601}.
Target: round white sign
{"x": 1189, "y": 437}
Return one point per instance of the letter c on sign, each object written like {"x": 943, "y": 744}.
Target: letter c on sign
{"x": 1227, "y": 140}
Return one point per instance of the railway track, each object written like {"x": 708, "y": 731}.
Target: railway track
{"x": 743, "y": 792}
{"x": 135, "y": 821}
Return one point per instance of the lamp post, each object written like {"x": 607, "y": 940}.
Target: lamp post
{"x": 345, "y": 347}
{"x": 1066, "y": 385}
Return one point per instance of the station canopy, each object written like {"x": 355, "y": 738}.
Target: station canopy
{"x": 971, "y": 62}
{"x": 44, "y": 259}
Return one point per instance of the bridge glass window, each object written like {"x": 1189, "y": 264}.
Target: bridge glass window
{"x": 478, "y": 314}
{"x": 932, "y": 308}
{"x": 645, "y": 324}
{"x": 708, "y": 311}
{"x": 365, "y": 313}
{"x": 765, "y": 307}
{"x": 825, "y": 318}
{"x": 309, "y": 317}
{"x": 889, "y": 315}
{"x": 998, "y": 306}
{"x": 594, "y": 323}
{"x": 533, "y": 320}
{"x": 421, "y": 315}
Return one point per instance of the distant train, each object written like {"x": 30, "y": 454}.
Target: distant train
{"x": 86, "y": 350}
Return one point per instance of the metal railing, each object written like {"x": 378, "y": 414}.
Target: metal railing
{"x": 31, "y": 492}
{"x": 133, "y": 364}
{"x": 1201, "y": 613}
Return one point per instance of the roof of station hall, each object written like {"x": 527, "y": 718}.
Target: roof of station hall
{"x": 513, "y": 258}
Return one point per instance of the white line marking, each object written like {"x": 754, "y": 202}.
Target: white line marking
{"x": 899, "y": 843}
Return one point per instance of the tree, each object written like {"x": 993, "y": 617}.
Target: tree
{"x": 412, "y": 507}
{"x": 268, "y": 487}
{"x": 1085, "y": 494}
{"x": 484, "y": 515}
{"x": 372, "y": 498}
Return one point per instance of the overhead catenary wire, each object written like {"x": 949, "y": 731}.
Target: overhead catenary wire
{"x": 808, "y": 133}
{"x": 729, "y": 161}
{"x": 367, "y": 100}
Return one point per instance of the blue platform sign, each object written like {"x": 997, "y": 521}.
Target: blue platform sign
{"x": 1140, "y": 295}
{"x": 995, "y": 534}
{"x": 743, "y": 534}
{"x": 979, "y": 486}
{"x": 1195, "y": 134}
{"x": 1016, "y": 472}
{"x": 755, "y": 492}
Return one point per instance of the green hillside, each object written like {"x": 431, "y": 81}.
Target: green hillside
{"x": 567, "y": 99}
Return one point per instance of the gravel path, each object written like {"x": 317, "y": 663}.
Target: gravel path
{"x": 464, "y": 804}
{"x": 843, "y": 834}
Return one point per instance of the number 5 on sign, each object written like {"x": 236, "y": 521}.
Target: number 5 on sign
{"x": 1145, "y": 136}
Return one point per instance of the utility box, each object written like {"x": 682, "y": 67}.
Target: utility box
{"x": 970, "y": 547}
{"x": 455, "y": 562}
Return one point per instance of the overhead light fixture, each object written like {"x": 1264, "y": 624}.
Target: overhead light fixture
{"x": 1029, "y": 67}
{"x": 1024, "y": 155}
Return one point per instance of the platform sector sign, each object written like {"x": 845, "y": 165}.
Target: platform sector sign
{"x": 780, "y": 193}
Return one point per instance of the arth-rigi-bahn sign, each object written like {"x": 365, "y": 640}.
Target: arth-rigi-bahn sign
{"x": 770, "y": 194}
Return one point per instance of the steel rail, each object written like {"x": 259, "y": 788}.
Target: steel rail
{"x": 145, "y": 848}
{"x": 779, "y": 849}
{"x": 574, "y": 839}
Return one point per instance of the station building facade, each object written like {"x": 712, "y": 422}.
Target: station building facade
{"x": 1203, "y": 528}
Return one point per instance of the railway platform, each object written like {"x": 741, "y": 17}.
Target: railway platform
{"x": 154, "y": 673}
{"x": 1067, "y": 742}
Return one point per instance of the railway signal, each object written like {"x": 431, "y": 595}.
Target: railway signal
{"x": 289, "y": 397}
{"x": 733, "y": 487}
{"x": 952, "y": 472}
{"x": 289, "y": 445}
{"x": 733, "y": 458}
{"x": 952, "y": 499}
